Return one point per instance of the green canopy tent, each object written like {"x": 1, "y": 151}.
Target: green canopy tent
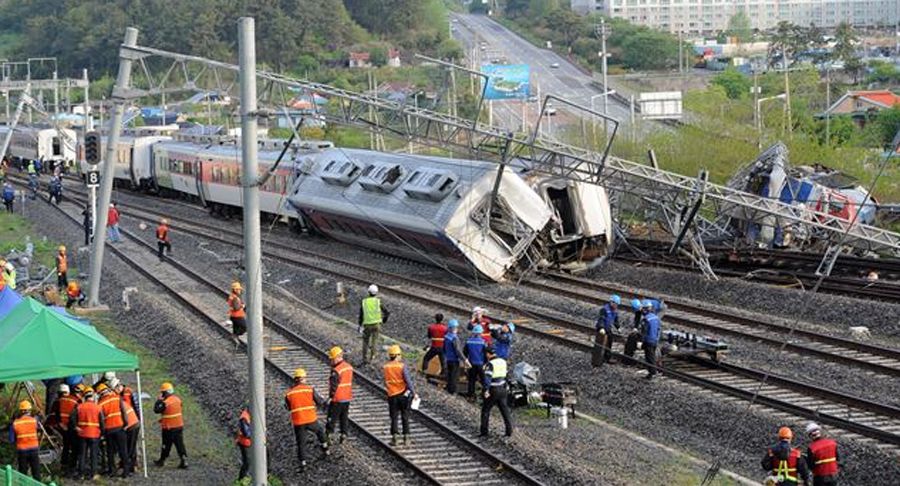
{"x": 38, "y": 343}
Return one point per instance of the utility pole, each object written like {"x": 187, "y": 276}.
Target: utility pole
{"x": 756, "y": 91}
{"x": 828, "y": 105}
{"x": 602, "y": 31}
{"x": 787, "y": 91}
{"x": 680, "y": 53}
{"x": 252, "y": 250}
{"x": 123, "y": 82}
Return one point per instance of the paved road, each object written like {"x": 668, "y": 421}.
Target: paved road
{"x": 566, "y": 81}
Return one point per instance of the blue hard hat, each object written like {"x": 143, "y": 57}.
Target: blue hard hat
{"x": 648, "y": 303}
{"x": 477, "y": 330}
{"x": 635, "y": 304}
{"x": 615, "y": 299}
{"x": 511, "y": 326}
{"x": 453, "y": 323}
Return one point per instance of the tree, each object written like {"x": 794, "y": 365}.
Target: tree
{"x": 885, "y": 126}
{"x": 567, "y": 22}
{"x": 516, "y": 8}
{"x": 648, "y": 49}
{"x": 787, "y": 39}
{"x": 739, "y": 27}
{"x": 735, "y": 83}
{"x": 845, "y": 41}
{"x": 884, "y": 73}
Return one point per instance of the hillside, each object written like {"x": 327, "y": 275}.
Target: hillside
{"x": 291, "y": 34}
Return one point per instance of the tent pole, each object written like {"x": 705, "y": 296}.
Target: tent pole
{"x": 143, "y": 438}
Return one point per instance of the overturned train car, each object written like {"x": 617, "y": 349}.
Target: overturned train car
{"x": 440, "y": 210}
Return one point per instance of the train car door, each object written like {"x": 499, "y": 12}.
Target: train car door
{"x": 198, "y": 179}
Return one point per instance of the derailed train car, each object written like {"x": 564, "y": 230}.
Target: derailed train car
{"x": 436, "y": 209}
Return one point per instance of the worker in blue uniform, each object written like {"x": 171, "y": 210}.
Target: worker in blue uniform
{"x": 651, "y": 327}
{"x": 503, "y": 338}
{"x": 474, "y": 352}
{"x": 495, "y": 392}
{"x": 634, "y": 333}
{"x": 608, "y": 318}
{"x": 453, "y": 355}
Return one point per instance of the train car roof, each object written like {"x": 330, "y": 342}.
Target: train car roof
{"x": 217, "y": 150}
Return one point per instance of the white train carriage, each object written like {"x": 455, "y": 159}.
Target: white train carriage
{"x": 212, "y": 175}
{"x": 133, "y": 166}
{"x": 433, "y": 209}
{"x": 36, "y": 143}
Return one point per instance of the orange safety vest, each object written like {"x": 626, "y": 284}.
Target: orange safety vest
{"x": 67, "y": 403}
{"x": 232, "y": 312}
{"x": 301, "y": 404}
{"x": 89, "y": 420}
{"x": 62, "y": 264}
{"x": 131, "y": 418}
{"x": 344, "y": 391}
{"x": 824, "y": 457}
{"x": 26, "y": 428}
{"x": 162, "y": 233}
{"x": 171, "y": 416}
{"x": 111, "y": 405}
{"x": 241, "y": 439}
{"x": 393, "y": 378}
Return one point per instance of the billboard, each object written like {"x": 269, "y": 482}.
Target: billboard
{"x": 664, "y": 105}
{"x": 507, "y": 81}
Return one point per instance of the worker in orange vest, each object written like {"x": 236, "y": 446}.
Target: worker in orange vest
{"x": 236, "y": 313}
{"x": 132, "y": 419}
{"x": 822, "y": 457}
{"x": 114, "y": 415}
{"x": 168, "y": 406}
{"x": 62, "y": 268}
{"x": 89, "y": 426}
{"x": 301, "y": 400}
{"x": 23, "y": 432}
{"x": 784, "y": 462}
{"x": 340, "y": 393}
{"x": 162, "y": 239}
{"x": 400, "y": 392}
{"x": 243, "y": 441}
{"x": 61, "y": 412}
{"x": 74, "y": 295}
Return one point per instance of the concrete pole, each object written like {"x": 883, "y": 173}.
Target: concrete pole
{"x": 106, "y": 181}
{"x": 252, "y": 250}
{"x": 603, "y": 34}
{"x": 787, "y": 92}
{"x": 55, "y": 96}
{"x": 756, "y": 110}
{"x": 88, "y": 125}
{"x": 828, "y": 105}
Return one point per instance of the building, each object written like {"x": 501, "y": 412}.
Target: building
{"x": 861, "y": 105}
{"x": 393, "y": 58}
{"x": 708, "y": 16}
{"x": 360, "y": 60}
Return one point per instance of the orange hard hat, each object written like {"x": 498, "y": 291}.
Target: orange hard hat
{"x": 785, "y": 433}
{"x": 24, "y": 406}
{"x": 73, "y": 285}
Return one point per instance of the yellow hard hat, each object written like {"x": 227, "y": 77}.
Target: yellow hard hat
{"x": 80, "y": 387}
{"x": 236, "y": 286}
{"x": 62, "y": 247}
{"x": 299, "y": 373}
{"x": 88, "y": 390}
{"x": 394, "y": 350}
{"x": 102, "y": 388}
{"x": 24, "y": 406}
{"x": 166, "y": 387}
{"x": 335, "y": 352}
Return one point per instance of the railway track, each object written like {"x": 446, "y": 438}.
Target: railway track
{"x": 856, "y": 417}
{"x": 439, "y": 454}
{"x": 792, "y": 269}
{"x": 866, "y": 356}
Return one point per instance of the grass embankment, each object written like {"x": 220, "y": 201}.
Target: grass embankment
{"x": 208, "y": 445}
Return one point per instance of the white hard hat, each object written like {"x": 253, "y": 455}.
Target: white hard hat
{"x": 63, "y": 388}
{"x": 9, "y": 266}
{"x": 109, "y": 375}
{"x": 114, "y": 382}
{"x": 373, "y": 289}
{"x": 812, "y": 427}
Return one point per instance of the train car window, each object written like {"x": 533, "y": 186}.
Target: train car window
{"x": 57, "y": 150}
